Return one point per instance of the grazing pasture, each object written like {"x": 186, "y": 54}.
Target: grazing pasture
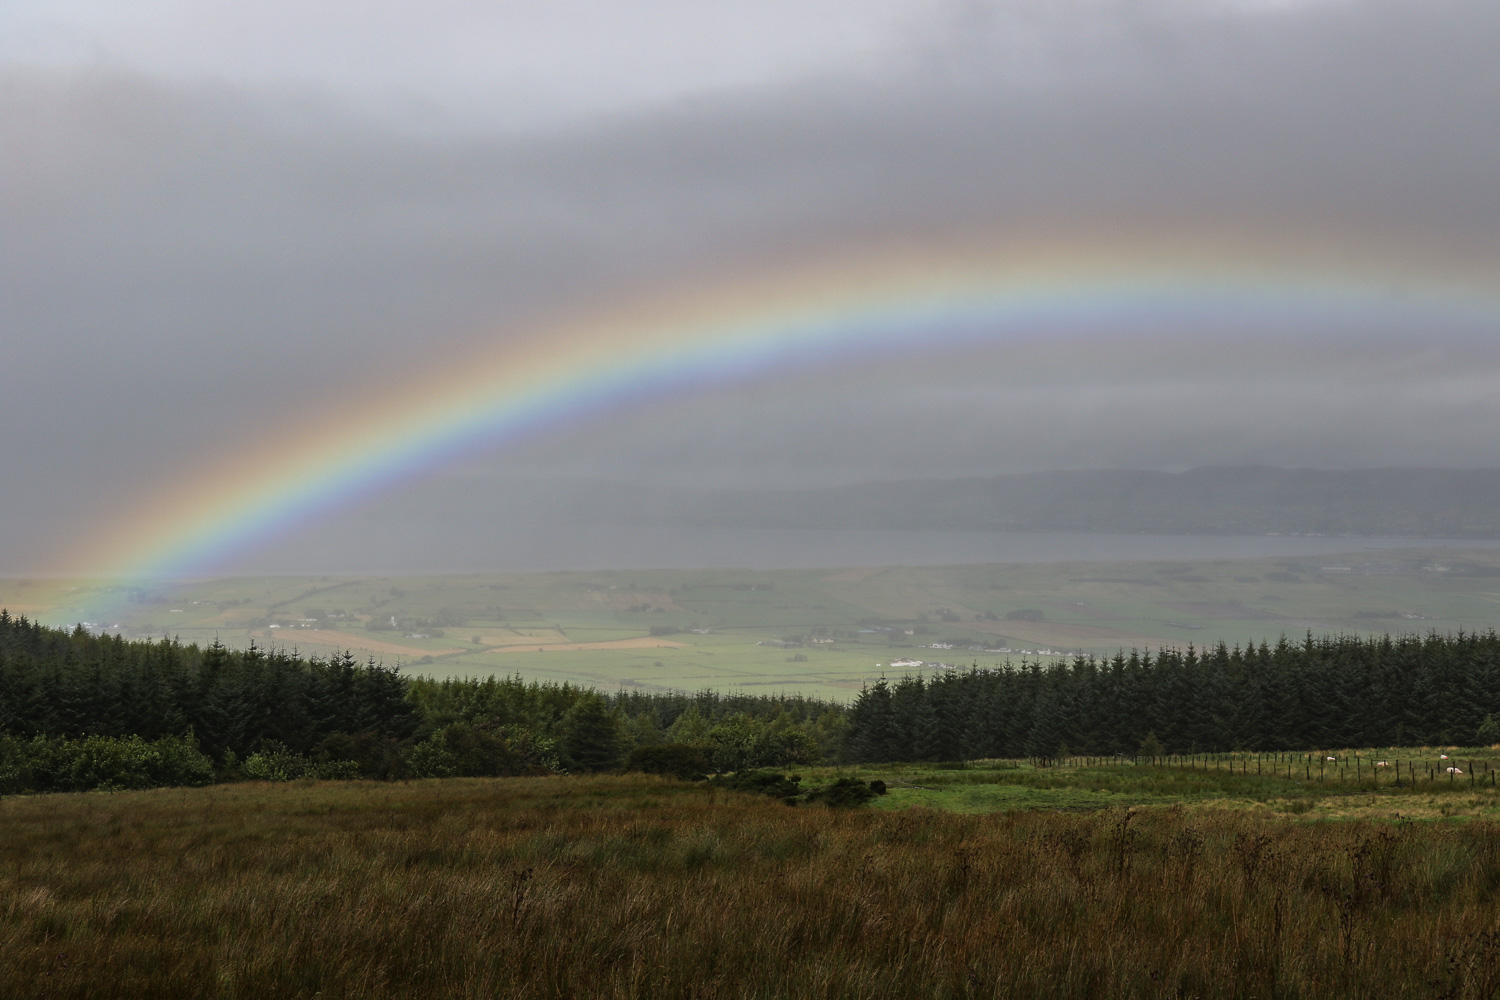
{"x": 628, "y": 886}
{"x": 1269, "y": 785}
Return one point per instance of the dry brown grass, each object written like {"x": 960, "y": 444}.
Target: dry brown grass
{"x": 637, "y": 887}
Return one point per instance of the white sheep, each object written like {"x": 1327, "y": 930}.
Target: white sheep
{"x": 1442, "y": 756}
{"x": 1381, "y": 763}
{"x": 1455, "y": 770}
{"x": 1331, "y": 758}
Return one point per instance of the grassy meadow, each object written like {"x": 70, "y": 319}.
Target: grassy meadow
{"x": 1180, "y": 883}
{"x": 1267, "y": 785}
{"x": 727, "y": 629}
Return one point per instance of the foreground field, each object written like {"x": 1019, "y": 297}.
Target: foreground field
{"x": 638, "y": 887}
{"x": 816, "y": 632}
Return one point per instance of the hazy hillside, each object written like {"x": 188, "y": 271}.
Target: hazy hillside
{"x": 1431, "y": 503}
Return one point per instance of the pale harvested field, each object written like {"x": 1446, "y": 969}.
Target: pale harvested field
{"x": 643, "y": 642}
{"x": 343, "y": 640}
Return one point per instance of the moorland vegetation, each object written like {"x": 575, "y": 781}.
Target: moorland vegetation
{"x": 641, "y": 886}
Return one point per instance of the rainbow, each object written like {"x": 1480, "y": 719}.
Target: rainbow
{"x": 864, "y": 307}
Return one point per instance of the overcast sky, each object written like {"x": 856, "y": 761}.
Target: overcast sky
{"x": 218, "y": 221}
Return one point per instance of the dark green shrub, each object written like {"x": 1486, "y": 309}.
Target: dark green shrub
{"x": 57, "y": 764}
{"x": 431, "y": 759}
{"x": 272, "y": 761}
{"x": 462, "y": 750}
{"x": 780, "y": 786}
{"x": 678, "y": 760}
{"x": 741, "y": 743}
{"x": 845, "y": 793}
{"x": 376, "y": 757}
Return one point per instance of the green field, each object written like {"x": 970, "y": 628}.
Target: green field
{"x": 1292, "y": 786}
{"x": 821, "y": 632}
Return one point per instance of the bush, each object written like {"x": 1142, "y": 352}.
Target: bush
{"x": 272, "y": 761}
{"x": 741, "y": 743}
{"x": 333, "y": 770}
{"x": 431, "y": 759}
{"x": 785, "y": 787}
{"x": 678, "y": 760}
{"x": 462, "y": 750}
{"x": 845, "y": 793}
{"x": 376, "y": 757}
{"x": 57, "y": 764}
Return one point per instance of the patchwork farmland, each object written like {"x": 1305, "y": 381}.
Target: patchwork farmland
{"x": 818, "y": 632}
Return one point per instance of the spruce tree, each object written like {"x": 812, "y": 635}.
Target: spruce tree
{"x": 870, "y": 724}
{"x": 1046, "y": 736}
{"x": 591, "y": 736}
{"x": 928, "y": 738}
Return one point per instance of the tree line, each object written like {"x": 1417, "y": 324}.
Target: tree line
{"x": 79, "y": 710}
{"x": 1336, "y": 691}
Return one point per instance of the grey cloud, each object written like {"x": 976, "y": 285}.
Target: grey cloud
{"x": 189, "y": 268}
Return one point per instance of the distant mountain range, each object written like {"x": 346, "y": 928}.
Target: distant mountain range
{"x": 1248, "y": 500}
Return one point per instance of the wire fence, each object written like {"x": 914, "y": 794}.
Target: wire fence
{"x": 1348, "y": 768}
